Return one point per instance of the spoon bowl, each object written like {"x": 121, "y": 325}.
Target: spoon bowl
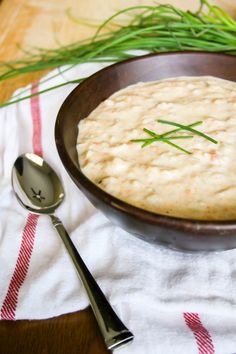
{"x": 36, "y": 185}
{"x": 39, "y": 190}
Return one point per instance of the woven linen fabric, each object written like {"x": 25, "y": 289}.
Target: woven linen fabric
{"x": 173, "y": 302}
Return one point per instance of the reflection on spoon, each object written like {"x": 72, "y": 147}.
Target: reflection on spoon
{"x": 38, "y": 189}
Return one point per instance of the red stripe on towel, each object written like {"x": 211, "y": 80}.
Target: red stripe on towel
{"x": 9, "y": 306}
{"x": 201, "y": 334}
{"x": 36, "y": 117}
{"x": 27, "y": 243}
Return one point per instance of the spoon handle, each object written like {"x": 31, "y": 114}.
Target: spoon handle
{"x": 113, "y": 330}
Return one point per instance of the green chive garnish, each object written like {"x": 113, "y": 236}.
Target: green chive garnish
{"x": 166, "y": 140}
{"x": 165, "y": 136}
{"x": 188, "y": 128}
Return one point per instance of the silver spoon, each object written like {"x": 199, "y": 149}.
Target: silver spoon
{"x": 38, "y": 189}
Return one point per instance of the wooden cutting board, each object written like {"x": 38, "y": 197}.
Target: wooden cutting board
{"x": 46, "y": 23}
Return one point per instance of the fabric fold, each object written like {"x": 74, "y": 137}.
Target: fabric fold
{"x": 173, "y": 302}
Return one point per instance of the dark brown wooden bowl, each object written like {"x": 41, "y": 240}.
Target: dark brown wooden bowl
{"x": 181, "y": 234}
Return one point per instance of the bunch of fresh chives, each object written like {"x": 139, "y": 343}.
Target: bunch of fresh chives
{"x": 161, "y": 28}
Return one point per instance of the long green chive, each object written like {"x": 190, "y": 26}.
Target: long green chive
{"x": 178, "y": 147}
{"x": 16, "y": 100}
{"x": 178, "y": 129}
{"x": 165, "y": 141}
{"x": 161, "y": 137}
{"x": 188, "y": 128}
{"x": 165, "y": 136}
{"x": 160, "y": 28}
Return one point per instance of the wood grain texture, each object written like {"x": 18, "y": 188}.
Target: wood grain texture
{"x": 68, "y": 334}
{"x": 45, "y": 23}
{"x": 25, "y": 24}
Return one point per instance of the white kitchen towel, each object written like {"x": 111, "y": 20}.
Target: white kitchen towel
{"x": 172, "y": 302}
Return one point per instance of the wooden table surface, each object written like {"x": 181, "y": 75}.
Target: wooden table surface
{"x": 44, "y": 23}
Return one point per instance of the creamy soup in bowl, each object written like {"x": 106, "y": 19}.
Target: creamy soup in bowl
{"x": 166, "y": 146}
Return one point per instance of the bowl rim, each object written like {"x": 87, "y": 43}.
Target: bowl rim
{"x": 194, "y": 226}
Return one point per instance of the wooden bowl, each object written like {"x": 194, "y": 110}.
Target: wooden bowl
{"x": 181, "y": 234}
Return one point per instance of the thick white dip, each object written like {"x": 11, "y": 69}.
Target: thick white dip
{"x": 160, "y": 178}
